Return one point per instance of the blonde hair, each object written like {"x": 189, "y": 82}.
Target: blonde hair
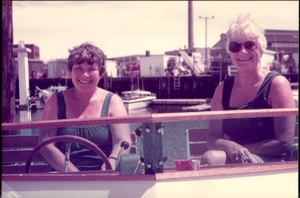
{"x": 247, "y": 26}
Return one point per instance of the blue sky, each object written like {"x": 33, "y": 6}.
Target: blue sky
{"x": 123, "y": 28}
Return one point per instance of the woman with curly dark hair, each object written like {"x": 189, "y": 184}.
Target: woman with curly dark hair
{"x": 86, "y": 64}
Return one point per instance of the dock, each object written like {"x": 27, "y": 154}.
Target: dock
{"x": 179, "y": 101}
{"x": 202, "y": 107}
{"x": 192, "y": 104}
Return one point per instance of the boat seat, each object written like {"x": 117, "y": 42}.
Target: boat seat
{"x": 196, "y": 142}
{"x": 17, "y": 148}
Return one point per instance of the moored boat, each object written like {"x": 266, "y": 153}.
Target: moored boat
{"x": 43, "y": 94}
{"x": 137, "y": 99}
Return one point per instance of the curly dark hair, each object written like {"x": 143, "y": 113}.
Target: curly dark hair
{"x": 87, "y": 52}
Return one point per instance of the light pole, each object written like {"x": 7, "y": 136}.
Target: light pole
{"x": 206, "y": 35}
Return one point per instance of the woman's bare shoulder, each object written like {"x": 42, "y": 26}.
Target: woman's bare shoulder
{"x": 280, "y": 81}
{"x": 68, "y": 92}
{"x": 220, "y": 87}
{"x": 117, "y": 107}
{"x": 280, "y": 85}
{"x": 219, "y": 91}
{"x": 280, "y": 95}
{"x": 217, "y": 98}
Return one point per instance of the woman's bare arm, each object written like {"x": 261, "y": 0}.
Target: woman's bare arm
{"x": 120, "y": 132}
{"x": 50, "y": 152}
{"x": 280, "y": 96}
{"x": 215, "y": 139}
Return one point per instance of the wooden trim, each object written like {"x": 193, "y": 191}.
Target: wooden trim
{"x": 156, "y": 118}
{"x": 233, "y": 169}
{"x": 76, "y": 122}
{"x": 204, "y": 172}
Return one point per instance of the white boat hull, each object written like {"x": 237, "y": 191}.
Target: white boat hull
{"x": 137, "y": 103}
{"x": 276, "y": 183}
{"x": 43, "y": 94}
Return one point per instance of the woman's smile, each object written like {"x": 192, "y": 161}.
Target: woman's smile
{"x": 84, "y": 81}
{"x": 244, "y": 59}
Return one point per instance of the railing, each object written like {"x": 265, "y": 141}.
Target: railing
{"x": 161, "y": 117}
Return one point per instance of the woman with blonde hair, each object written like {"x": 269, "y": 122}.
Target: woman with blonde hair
{"x": 251, "y": 140}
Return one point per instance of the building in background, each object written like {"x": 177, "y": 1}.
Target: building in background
{"x": 34, "y": 54}
{"x": 219, "y": 57}
{"x": 282, "y": 55}
{"x": 285, "y": 44}
{"x": 157, "y": 65}
{"x": 111, "y": 68}
{"x": 126, "y": 66}
{"x": 58, "y": 68}
{"x": 170, "y": 63}
{"x": 34, "y": 63}
{"x": 191, "y": 60}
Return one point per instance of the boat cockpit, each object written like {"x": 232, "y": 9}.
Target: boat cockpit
{"x": 165, "y": 163}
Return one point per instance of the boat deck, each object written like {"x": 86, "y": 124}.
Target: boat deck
{"x": 170, "y": 173}
{"x": 172, "y": 183}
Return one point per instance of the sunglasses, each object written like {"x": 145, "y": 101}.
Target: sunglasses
{"x": 236, "y": 46}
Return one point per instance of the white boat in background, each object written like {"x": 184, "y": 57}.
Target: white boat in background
{"x": 137, "y": 99}
{"x": 43, "y": 94}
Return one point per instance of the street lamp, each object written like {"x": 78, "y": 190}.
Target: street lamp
{"x": 206, "y": 35}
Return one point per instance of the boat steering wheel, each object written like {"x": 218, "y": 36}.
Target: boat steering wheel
{"x": 68, "y": 139}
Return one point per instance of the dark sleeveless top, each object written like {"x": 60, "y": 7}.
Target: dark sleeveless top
{"x": 249, "y": 130}
{"x": 82, "y": 157}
